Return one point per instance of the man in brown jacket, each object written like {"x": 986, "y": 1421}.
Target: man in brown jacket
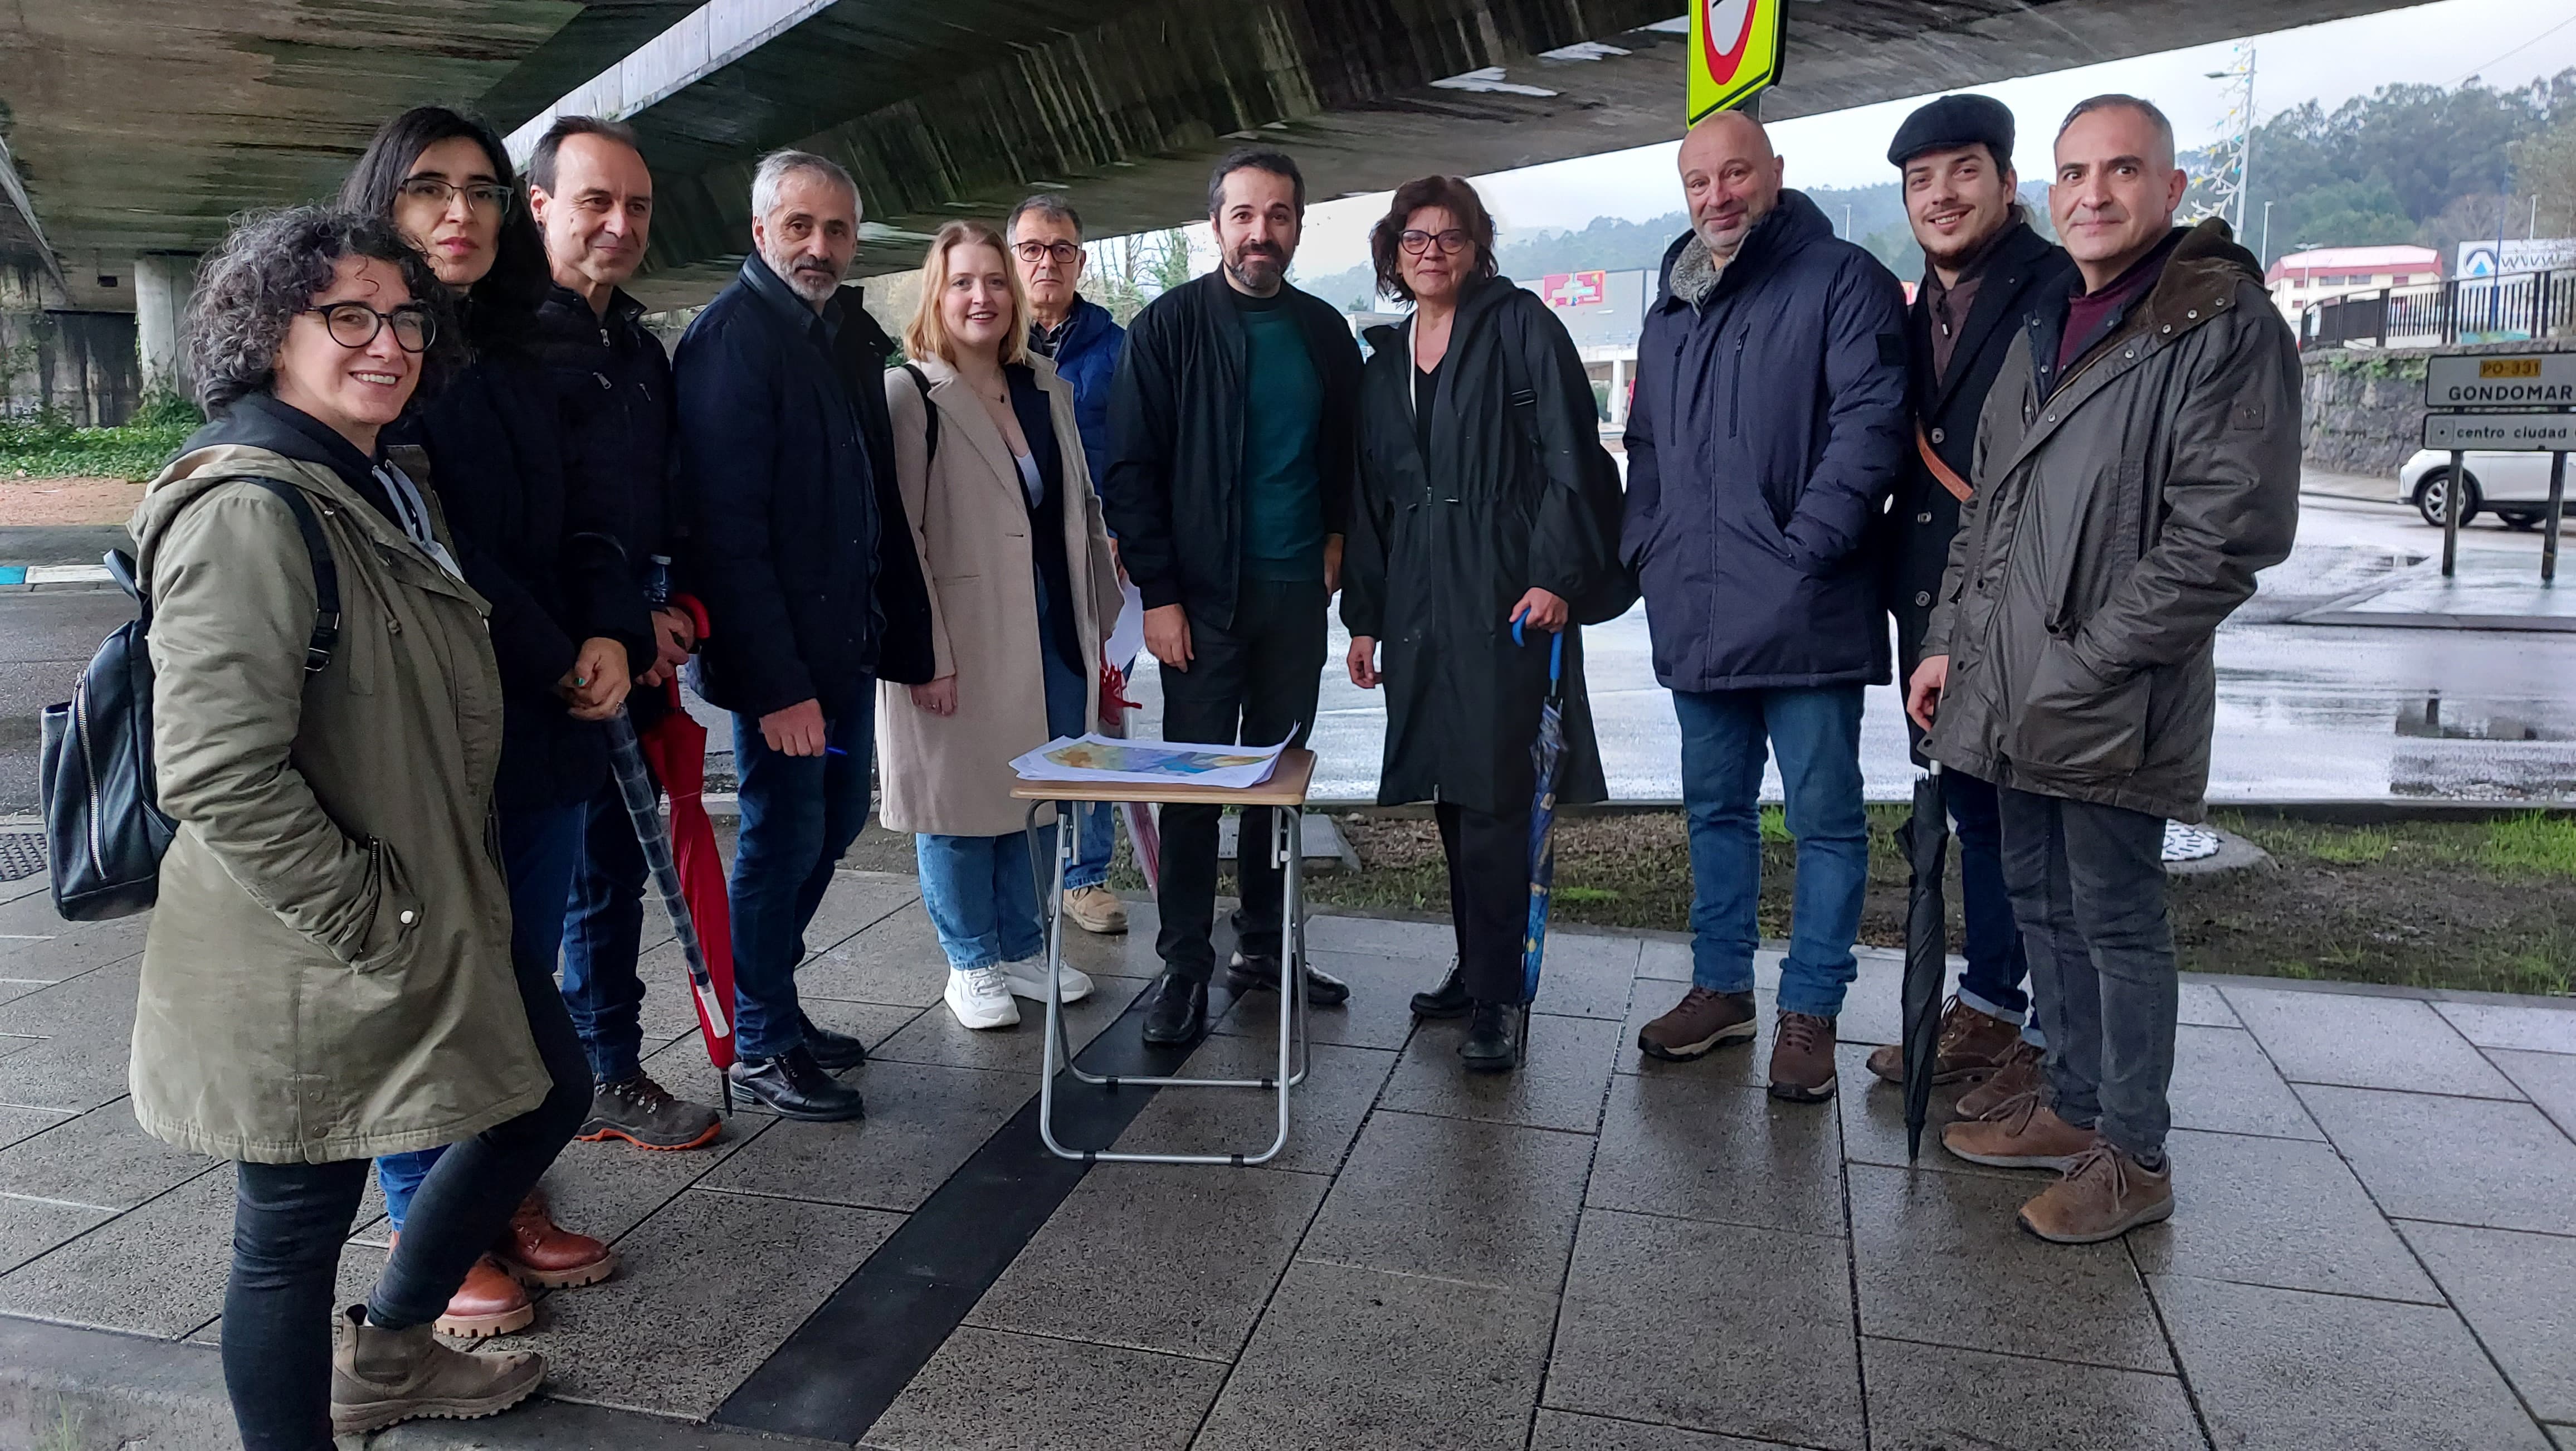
{"x": 2136, "y": 466}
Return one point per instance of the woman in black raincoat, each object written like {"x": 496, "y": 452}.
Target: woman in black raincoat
{"x": 1485, "y": 498}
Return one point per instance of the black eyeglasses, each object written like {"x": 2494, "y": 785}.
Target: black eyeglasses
{"x": 1064, "y": 253}
{"x": 1417, "y": 243}
{"x": 480, "y": 196}
{"x": 355, "y": 325}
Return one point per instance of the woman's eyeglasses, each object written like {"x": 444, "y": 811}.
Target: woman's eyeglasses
{"x": 480, "y": 196}
{"x": 1451, "y": 241}
{"x": 1064, "y": 253}
{"x": 355, "y": 325}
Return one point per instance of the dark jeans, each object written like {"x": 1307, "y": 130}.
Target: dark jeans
{"x": 1997, "y": 965}
{"x": 1255, "y": 684}
{"x": 799, "y": 813}
{"x": 2088, "y": 886}
{"x": 603, "y": 928}
{"x": 1489, "y": 895}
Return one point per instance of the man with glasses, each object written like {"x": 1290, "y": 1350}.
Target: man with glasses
{"x": 1234, "y": 455}
{"x": 1085, "y": 343}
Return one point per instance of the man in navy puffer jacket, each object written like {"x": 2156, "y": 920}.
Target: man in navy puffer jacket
{"x": 1765, "y": 432}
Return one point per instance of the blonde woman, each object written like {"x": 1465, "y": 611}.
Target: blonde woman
{"x": 1022, "y": 591}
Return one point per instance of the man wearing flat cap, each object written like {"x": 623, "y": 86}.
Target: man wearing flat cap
{"x": 1984, "y": 267}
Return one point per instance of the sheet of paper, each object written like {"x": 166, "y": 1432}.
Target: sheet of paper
{"x": 1129, "y": 637}
{"x": 1099, "y": 758}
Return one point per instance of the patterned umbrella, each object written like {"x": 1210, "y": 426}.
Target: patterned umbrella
{"x": 683, "y": 862}
{"x": 1546, "y": 753}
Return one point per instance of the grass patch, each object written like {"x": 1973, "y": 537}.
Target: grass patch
{"x": 43, "y": 446}
{"x": 2355, "y": 848}
{"x": 2535, "y": 842}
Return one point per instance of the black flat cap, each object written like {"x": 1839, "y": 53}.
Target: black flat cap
{"x": 1952, "y": 122}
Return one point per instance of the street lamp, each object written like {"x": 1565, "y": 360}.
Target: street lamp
{"x": 2266, "y": 252}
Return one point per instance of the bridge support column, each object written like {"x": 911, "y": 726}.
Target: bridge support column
{"x": 164, "y": 282}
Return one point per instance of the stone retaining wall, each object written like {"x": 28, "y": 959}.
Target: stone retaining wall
{"x": 2364, "y": 407}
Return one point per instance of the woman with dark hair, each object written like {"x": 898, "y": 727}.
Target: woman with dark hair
{"x": 567, "y": 616}
{"x": 1486, "y": 503}
{"x": 327, "y": 977}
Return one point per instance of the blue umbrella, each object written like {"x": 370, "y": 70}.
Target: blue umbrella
{"x": 1546, "y": 754}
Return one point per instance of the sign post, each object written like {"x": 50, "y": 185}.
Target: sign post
{"x": 1735, "y": 50}
{"x": 2501, "y": 404}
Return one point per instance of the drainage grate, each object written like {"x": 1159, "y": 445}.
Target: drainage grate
{"x": 21, "y": 857}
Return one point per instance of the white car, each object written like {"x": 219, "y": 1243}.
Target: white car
{"x": 2512, "y": 486}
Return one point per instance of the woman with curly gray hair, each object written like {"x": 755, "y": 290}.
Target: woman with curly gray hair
{"x": 328, "y": 975}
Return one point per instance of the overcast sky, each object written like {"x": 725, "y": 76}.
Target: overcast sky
{"x": 2508, "y": 42}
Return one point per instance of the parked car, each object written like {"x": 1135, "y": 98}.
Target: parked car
{"x": 2514, "y": 486}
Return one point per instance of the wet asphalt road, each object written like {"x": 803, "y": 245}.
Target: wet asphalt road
{"x": 46, "y": 636}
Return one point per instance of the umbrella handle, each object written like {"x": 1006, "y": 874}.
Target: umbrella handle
{"x": 1555, "y": 653}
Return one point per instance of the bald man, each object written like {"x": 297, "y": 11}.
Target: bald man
{"x": 1765, "y": 431}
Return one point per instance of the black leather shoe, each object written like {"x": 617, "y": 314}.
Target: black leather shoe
{"x": 832, "y": 1051}
{"x": 793, "y": 1085}
{"x": 1178, "y": 1013}
{"x": 1259, "y": 973}
{"x": 1493, "y": 1038}
{"x": 1449, "y": 1000}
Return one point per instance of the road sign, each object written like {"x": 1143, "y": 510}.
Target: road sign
{"x": 1734, "y": 52}
{"x": 2500, "y": 380}
{"x": 2501, "y": 432}
{"x": 1574, "y": 289}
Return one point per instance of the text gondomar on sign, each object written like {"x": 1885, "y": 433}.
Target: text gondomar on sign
{"x": 2464, "y": 393}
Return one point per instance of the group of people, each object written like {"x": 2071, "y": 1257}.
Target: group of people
{"x": 455, "y": 509}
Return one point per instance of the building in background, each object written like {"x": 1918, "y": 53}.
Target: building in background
{"x": 1605, "y": 312}
{"x": 2302, "y": 278}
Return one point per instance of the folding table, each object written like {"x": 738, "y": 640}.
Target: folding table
{"x": 1285, "y": 791}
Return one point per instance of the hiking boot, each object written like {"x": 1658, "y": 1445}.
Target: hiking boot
{"x": 488, "y": 1303}
{"x": 1493, "y": 1038}
{"x": 833, "y": 1052}
{"x": 1096, "y": 910}
{"x": 1702, "y": 1020}
{"x": 1449, "y": 1000}
{"x": 1972, "y": 1045}
{"x": 380, "y": 1377}
{"x": 981, "y": 998}
{"x": 2020, "y": 1074}
{"x": 2104, "y": 1195}
{"x": 1258, "y": 972}
{"x": 2023, "y": 1133}
{"x": 644, "y": 1114}
{"x": 1028, "y": 980}
{"x": 1802, "y": 1058}
{"x": 543, "y": 1255}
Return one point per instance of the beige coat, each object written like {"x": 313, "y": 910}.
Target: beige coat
{"x": 951, "y": 776}
{"x": 327, "y": 975}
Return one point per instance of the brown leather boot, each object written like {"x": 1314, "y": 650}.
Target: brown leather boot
{"x": 488, "y": 1303}
{"x": 1702, "y": 1020}
{"x": 2104, "y": 1195}
{"x": 2020, "y": 1074}
{"x": 2023, "y": 1134}
{"x": 1972, "y": 1045}
{"x": 542, "y": 1255}
{"x": 1802, "y": 1058}
{"x": 380, "y": 1377}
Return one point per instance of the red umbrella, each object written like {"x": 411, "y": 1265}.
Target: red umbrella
{"x": 1144, "y": 833}
{"x": 676, "y": 747}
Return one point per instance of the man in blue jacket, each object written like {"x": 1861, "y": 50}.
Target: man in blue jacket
{"x": 1764, "y": 433}
{"x": 1084, "y": 342}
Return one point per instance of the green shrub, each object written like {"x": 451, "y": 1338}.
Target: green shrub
{"x": 44, "y": 446}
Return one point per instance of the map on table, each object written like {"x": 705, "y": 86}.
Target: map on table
{"x": 1105, "y": 759}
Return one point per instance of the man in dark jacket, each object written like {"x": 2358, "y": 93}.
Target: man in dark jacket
{"x": 592, "y": 196}
{"x": 1084, "y": 342}
{"x": 1232, "y": 426}
{"x": 1983, "y": 268}
{"x": 1765, "y": 430}
{"x": 2136, "y": 465}
{"x": 786, "y": 472}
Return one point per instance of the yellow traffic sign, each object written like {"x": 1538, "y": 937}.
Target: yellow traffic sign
{"x": 1734, "y": 52}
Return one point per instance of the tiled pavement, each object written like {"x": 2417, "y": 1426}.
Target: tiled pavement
{"x": 2376, "y": 1244}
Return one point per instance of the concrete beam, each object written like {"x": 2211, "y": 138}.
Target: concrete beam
{"x": 164, "y": 283}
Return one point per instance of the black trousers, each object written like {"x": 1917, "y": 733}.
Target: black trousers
{"x": 289, "y": 1221}
{"x": 1254, "y": 683}
{"x": 1489, "y": 884}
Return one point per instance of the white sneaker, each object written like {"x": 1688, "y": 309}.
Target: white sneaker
{"x": 1028, "y": 980}
{"x": 981, "y": 998}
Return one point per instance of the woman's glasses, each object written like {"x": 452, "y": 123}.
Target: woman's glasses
{"x": 480, "y": 196}
{"x": 1451, "y": 241}
{"x": 355, "y": 325}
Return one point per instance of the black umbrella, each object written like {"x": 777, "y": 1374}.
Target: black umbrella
{"x": 1926, "y": 839}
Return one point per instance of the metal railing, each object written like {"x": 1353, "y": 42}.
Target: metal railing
{"x": 2516, "y": 307}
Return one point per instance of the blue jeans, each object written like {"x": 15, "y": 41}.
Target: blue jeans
{"x": 1816, "y": 732}
{"x": 799, "y": 814}
{"x": 981, "y": 897}
{"x": 1096, "y": 842}
{"x": 603, "y": 928}
{"x": 1997, "y": 965}
{"x": 538, "y": 848}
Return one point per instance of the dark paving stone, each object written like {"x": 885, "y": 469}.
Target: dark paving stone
{"x": 2365, "y": 1042}
{"x": 1764, "y": 1349}
{"x": 1583, "y": 975}
{"x": 937, "y": 1037}
{"x": 922, "y": 1123}
{"x": 2453, "y": 1160}
{"x": 158, "y": 1270}
{"x": 42, "y": 945}
{"x": 17, "y": 1124}
{"x": 1723, "y": 1151}
{"x": 896, "y": 961}
{"x": 29, "y": 1227}
{"x": 1565, "y": 1431}
{"x": 17, "y": 1043}
{"x": 1941, "y": 1260}
{"x": 2518, "y": 1292}
{"x": 1455, "y": 1199}
{"x": 2222, "y": 1082}
{"x": 607, "y": 1189}
{"x": 74, "y": 1073}
{"x": 1360, "y": 1360}
{"x": 1664, "y": 961}
{"x": 100, "y": 1159}
{"x": 856, "y": 902}
{"x": 2502, "y": 1025}
{"x": 1935, "y": 1398}
{"x": 568, "y": 1426}
{"x": 1324, "y": 1112}
{"x": 2269, "y": 1213}
{"x": 990, "y": 1391}
{"x": 1873, "y": 1120}
{"x": 1428, "y": 942}
{"x": 2203, "y": 1006}
{"x": 1874, "y": 1004}
{"x": 97, "y": 1004}
{"x": 1378, "y": 1015}
{"x": 709, "y": 1287}
{"x": 1178, "y": 1258}
{"x": 2285, "y": 1370}
{"x": 1564, "y": 1067}
{"x": 2549, "y": 1079}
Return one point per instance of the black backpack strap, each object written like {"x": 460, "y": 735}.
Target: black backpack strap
{"x": 929, "y": 410}
{"x": 326, "y": 574}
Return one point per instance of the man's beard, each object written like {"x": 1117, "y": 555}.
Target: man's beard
{"x": 814, "y": 284}
{"x": 1258, "y": 267}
